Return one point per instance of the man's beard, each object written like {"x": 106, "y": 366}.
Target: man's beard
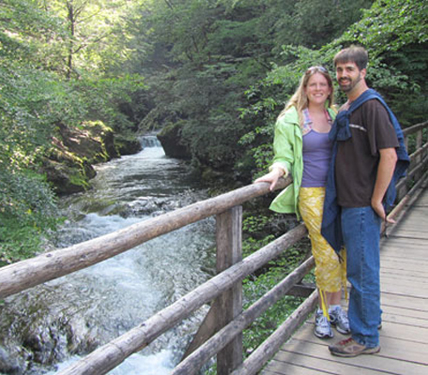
{"x": 347, "y": 87}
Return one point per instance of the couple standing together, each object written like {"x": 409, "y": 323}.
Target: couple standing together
{"x": 344, "y": 169}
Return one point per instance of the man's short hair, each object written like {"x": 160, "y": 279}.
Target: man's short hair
{"x": 355, "y": 54}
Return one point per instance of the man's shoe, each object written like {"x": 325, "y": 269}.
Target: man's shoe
{"x": 339, "y": 319}
{"x": 322, "y": 326}
{"x": 350, "y": 348}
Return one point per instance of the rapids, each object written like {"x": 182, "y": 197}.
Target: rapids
{"x": 45, "y": 328}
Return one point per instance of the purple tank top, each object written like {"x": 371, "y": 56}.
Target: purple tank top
{"x": 316, "y": 159}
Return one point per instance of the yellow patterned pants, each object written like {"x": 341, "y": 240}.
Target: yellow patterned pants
{"x": 330, "y": 273}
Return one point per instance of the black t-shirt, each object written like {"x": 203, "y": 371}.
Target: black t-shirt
{"x": 358, "y": 157}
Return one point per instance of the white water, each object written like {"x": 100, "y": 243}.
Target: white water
{"x": 104, "y": 301}
{"x": 155, "y": 364}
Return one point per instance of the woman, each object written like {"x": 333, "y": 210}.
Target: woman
{"x": 301, "y": 147}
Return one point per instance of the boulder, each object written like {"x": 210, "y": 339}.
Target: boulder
{"x": 68, "y": 165}
{"x": 171, "y": 141}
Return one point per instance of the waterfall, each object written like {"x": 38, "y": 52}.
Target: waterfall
{"x": 150, "y": 141}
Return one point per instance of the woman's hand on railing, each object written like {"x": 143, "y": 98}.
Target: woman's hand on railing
{"x": 272, "y": 177}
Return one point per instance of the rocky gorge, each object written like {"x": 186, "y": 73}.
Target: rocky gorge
{"x": 68, "y": 165}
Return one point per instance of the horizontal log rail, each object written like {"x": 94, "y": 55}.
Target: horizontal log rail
{"x": 398, "y": 212}
{"x": 51, "y": 265}
{"x": 418, "y": 168}
{"x": 192, "y": 364}
{"x": 112, "y": 354}
{"x": 417, "y": 175}
{"x": 418, "y": 157}
{"x": 225, "y": 285}
{"x": 415, "y": 128}
{"x": 272, "y": 344}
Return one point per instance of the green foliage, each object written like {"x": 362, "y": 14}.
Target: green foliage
{"x": 256, "y": 286}
{"x": 18, "y": 242}
{"x": 105, "y": 96}
{"x": 27, "y": 212}
{"x": 266, "y": 324}
{"x": 393, "y": 31}
{"x": 94, "y": 35}
{"x": 31, "y": 103}
{"x": 25, "y": 197}
{"x": 391, "y": 25}
{"x": 397, "y": 69}
{"x": 316, "y": 22}
{"x": 42, "y": 50}
{"x": 30, "y": 35}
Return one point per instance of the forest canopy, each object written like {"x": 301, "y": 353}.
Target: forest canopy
{"x": 211, "y": 74}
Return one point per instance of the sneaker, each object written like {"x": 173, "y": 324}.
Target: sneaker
{"x": 350, "y": 348}
{"x": 322, "y": 326}
{"x": 339, "y": 319}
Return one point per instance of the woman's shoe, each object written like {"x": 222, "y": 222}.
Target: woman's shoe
{"x": 322, "y": 326}
{"x": 339, "y": 319}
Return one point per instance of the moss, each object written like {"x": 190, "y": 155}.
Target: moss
{"x": 127, "y": 144}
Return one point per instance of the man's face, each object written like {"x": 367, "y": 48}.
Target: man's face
{"x": 348, "y": 75}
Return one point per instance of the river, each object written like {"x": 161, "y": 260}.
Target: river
{"x": 46, "y": 328}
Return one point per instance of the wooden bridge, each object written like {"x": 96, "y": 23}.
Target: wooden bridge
{"x": 404, "y": 297}
{"x": 404, "y": 336}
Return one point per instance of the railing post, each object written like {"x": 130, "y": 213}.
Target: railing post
{"x": 419, "y": 158}
{"x": 229, "y": 304}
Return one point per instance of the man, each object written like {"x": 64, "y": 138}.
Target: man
{"x": 366, "y": 138}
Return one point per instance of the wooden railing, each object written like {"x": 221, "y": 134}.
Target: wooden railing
{"x": 221, "y": 332}
{"x": 416, "y": 139}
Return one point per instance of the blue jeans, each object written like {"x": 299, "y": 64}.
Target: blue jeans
{"x": 361, "y": 234}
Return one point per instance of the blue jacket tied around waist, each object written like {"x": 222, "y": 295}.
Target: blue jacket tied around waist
{"x": 331, "y": 227}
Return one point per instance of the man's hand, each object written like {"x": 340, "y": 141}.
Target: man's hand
{"x": 380, "y": 211}
{"x": 388, "y": 158}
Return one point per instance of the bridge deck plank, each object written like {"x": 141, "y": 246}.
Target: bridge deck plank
{"x": 404, "y": 334}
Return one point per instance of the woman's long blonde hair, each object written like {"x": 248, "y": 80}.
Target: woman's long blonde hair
{"x": 299, "y": 98}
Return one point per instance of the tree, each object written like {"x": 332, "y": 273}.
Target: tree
{"x": 95, "y": 31}
{"x": 36, "y": 100}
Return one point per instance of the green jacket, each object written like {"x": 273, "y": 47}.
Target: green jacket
{"x": 287, "y": 147}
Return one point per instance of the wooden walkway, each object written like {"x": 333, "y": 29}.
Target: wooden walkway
{"x": 404, "y": 335}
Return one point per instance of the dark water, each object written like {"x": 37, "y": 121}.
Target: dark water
{"x": 61, "y": 320}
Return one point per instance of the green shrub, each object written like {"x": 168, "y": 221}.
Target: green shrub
{"x": 27, "y": 213}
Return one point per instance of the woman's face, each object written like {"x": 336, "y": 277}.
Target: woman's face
{"x": 317, "y": 89}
